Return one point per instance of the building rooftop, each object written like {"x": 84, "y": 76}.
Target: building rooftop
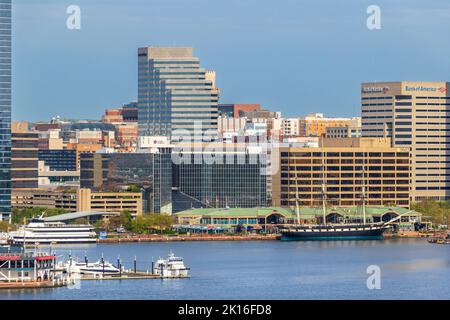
{"x": 76, "y": 215}
{"x": 305, "y": 212}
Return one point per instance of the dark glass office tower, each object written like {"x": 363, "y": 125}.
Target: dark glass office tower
{"x": 5, "y": 109}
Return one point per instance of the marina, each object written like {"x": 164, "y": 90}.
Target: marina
{"x": 265, "y": 270}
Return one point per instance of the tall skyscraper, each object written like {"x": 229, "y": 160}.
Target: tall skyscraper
{"x": 414, "y": 115}
{"x": 175, "y": 95}
{"x": 5, "y": 109}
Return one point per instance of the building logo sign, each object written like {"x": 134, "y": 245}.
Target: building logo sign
{"x": 426, "y": 89}
{"x": 375, "y": 90}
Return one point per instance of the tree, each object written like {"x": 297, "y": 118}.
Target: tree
{"x": 126, "y": 219}
{"x": 437, "y": 211}
{"x": 4, "y": 226}
{"x": 20, "y": 216}
{"x": 134, "y": 188}
{"x": 152, "y": 223}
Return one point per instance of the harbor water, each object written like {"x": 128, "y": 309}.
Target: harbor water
{"x": 410, "y": 269}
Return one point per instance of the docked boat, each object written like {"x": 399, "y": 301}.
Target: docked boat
{"x": 21, "y": 269}
{"x": 341, "y": 231}
{"x": 40, "y": 232}
{"x": 172, "y": 267}
{"x": 99, "y": 267}
{"x": 353, "y": 231}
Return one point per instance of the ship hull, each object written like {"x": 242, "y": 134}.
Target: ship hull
{"x": 308, "y": 233}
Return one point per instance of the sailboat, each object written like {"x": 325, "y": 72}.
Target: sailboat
{"x": 327, "y": 231}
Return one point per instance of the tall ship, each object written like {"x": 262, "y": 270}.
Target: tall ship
{"x": 37, "y": 231}
{"x": 329, "y": 231}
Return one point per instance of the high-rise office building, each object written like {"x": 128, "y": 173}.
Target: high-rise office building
{"x": 219, "y": 176}
{"x": 414, "y": 115}
{"x": 175, "y": 95}
{"x": 343, "y": 166}
{"x": 5, "y": 109}
{"x": 24, "y": 156}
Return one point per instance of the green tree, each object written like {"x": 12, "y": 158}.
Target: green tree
{"x": 4, "y": 226}
{"x": 152, "y": 223}
{"x": 134, "y": 188}
{"x": 126, "y": 219}
{"x": 21, "y": 216}
{"x": 438, "y": 212}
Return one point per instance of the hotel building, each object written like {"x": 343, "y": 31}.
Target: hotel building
{"x": 414, "y": 115}
{"x": 343, "y": 166}
{"x": 174, "y": 93}
{"x": 5, "y": 109}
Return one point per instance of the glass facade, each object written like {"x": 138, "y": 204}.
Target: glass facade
{"x": 5, "y": 109}
{"x": 59, "y": 160}
{"x": 174, "y": 93}
{"x": 152, "y": 172}
{"x": 235, "y": 184}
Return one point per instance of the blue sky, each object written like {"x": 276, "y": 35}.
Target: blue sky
{"x": 289, "y": 55}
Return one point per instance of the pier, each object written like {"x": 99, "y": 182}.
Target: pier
{"x": 128, "y": 276}
{"x": 205, "y": 237}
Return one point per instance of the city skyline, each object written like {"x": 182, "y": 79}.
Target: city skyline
{"x": 250, "y": 52}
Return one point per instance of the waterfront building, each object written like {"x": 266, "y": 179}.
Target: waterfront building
{"x": 174, "y": 93}
{"x": 81, "y": 200}
{"x": 5, "y": 109}
{"x": 220, "y": 175}
{"x": 45, "y": 198}
{"x": 266, "y": 218}
{"x": 24, "y": 156}
{"x": 109, "y": 201}
{"x": 413, "y": 115}
{"x": 149, "y": 170}
{"x": 344, "y": 166}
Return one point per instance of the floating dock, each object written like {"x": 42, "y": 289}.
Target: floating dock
{"x": 35, "y": 284}
{"x": 128, "y": 276}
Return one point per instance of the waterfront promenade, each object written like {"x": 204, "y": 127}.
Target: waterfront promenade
{"x": 193, "y": 237}
{"x": 226, "y": 237}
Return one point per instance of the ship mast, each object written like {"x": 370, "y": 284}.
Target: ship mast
{"x": 297, "y": 207}
{"x": 324, "y": 207}
{"x": 363, "y": 189}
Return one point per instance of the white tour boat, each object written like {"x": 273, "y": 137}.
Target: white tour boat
{"x": 171, "y": 267}
{"x": 40, "y": 232}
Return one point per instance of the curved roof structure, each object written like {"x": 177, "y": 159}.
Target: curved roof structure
{"x": 305, "y": 212}
{"x": 76, "y": 215}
